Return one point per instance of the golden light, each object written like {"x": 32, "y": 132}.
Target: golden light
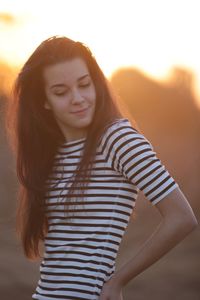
{"x": 150, "y": 35}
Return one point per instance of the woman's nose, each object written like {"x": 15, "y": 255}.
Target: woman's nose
{"x": 77, "y": 97}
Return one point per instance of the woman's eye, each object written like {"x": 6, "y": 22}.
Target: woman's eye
{"x": 84, "y": 84}
{"x": 60, "y": 93}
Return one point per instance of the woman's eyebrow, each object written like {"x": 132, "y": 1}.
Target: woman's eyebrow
{"x": 58, "y": 85}
{"x": 84, "y": 76}
{"x": 64, "y": 85}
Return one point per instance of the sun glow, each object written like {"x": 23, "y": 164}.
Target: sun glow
{"x": 150, "y": 35}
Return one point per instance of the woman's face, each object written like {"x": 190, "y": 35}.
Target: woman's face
{"x": 71, "y": 96}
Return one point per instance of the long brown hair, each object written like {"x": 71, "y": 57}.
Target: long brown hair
{"x": 37, "y": 136}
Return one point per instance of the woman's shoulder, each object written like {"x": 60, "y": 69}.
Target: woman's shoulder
{"x": 119, "y": 126}
{"x": 117, "y": 130}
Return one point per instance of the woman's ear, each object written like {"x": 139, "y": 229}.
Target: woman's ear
{"x": 46, "y": 105}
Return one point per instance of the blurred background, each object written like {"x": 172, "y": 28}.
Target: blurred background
{"x": 149, "y": 50}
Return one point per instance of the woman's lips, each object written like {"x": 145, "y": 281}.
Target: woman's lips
{"x": 79, "y": 111}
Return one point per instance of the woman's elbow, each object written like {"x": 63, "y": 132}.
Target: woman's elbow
{"x": 176, "y": 210}
{"x": 184, "y": 225}
{"x": 191, "y": 222}
{"x": 188, "y": 220}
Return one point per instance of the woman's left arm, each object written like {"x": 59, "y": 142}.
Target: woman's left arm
{"x": 178, "y": 220}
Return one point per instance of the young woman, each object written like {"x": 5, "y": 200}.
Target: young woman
{"x": 80, "y": 165}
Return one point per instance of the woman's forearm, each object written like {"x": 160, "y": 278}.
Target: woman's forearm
{"x": 164, "y": 238}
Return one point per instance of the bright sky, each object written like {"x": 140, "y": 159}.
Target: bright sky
{"x": 152, "y": 35}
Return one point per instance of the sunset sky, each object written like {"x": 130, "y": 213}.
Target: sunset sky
{"x": 151, "y": 35}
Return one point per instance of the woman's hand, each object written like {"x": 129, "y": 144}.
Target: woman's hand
{"x": 111, "y": 291}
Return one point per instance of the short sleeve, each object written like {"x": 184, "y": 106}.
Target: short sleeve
{"x": 131, "y": 154}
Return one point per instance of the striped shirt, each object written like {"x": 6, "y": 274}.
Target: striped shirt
{"x": 83, "y": 239}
